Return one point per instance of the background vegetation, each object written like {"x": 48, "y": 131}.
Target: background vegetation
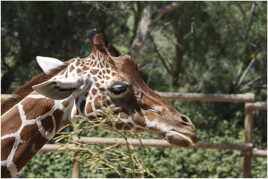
{"x": 204, "y": 47}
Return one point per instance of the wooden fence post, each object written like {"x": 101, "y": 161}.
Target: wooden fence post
{"x": 76, "y": 163}
{"x": 76, "y": 167}
{"x": 248, "y": 140}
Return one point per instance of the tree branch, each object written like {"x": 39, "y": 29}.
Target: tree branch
{"x": 160, "y": 12}
{"x": 242, "y": 74}
{"x": 160, "y": 56}
{"x": 250, "y": 83}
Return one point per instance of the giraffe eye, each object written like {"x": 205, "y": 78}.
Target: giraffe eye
{"x": 118, "y": 88}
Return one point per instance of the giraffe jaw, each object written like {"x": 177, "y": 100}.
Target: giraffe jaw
{"x": 179, "y": 138}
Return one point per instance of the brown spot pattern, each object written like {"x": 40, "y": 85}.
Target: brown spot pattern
{"x": 47, "y": 123}
{"x": 6, "y": 146}
{"x": 57, "y": 115}
{"x": 94, "y": 71}
{"x": 139, "y": 119}
{"x": 97, "y": 85}
{"x": 28, "y": 149}
{"x": 10, "y": 122}
{"x": 89, "y": 108}
{"x": 97, "y": 102}
{"x": 27, "y": 131}
{"x": 35, "y": 107}
{"x": 93, "y": 91}
{"x": 71, "y": 68}
{"x": 123, "y": 115}
{"x": 65, "y": 103}
{"x": 85, "y": 68}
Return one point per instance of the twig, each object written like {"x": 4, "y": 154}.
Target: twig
{"x": 251, "y": 82}
{"x": 242, "y": 74}
{"x": 252, "y": 11}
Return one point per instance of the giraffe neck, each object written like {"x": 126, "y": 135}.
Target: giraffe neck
{"x": 27, "y": 127}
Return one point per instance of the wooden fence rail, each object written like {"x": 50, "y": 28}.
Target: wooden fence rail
{"x": 246, "y": 148}
{"x": 141, "y": 143}
{"x": 247, "y": 97}
{"x": 260, "y": 153}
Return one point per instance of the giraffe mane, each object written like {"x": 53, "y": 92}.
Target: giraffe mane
{"x": 25, "y": 89}
{"x": 128, "y": 66}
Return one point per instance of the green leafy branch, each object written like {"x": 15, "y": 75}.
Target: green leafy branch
{"x": 123, "y": 162}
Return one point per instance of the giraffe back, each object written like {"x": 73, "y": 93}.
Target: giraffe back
{"x": 26, "y": 89}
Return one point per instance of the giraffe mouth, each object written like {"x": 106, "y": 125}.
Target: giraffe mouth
{"x": 180, "y": 138}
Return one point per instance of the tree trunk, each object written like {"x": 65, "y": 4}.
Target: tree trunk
{"x": 181, "y": 26}
{"x": 176, "y": 67}
{"x": 142, "y": 31}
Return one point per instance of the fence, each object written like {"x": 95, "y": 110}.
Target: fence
{"x": 247, "y": 147}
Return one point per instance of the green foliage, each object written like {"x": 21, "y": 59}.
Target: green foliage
{"x": 49, "y": 165}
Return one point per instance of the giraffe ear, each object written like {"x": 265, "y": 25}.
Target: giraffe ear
{"x": 58, "y": 89}
{"x": 48, "y": 63}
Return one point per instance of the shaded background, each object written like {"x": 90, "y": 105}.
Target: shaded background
{"x": 203, "y": 47}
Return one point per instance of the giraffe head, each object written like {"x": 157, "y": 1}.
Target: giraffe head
{"x": 100, "y": 81}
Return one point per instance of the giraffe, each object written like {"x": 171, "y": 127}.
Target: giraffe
{"x": 86, "y": 86}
